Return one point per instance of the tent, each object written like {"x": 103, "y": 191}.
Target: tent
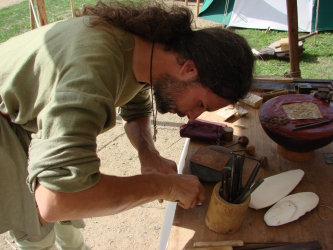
{"x": 261, "y": 14}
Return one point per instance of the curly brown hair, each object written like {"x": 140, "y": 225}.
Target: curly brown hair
{"x": 224, "y": 59}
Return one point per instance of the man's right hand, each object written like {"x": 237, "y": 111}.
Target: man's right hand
{"x": 186, "y": 190}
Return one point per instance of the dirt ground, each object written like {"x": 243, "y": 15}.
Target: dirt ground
{"x": 139, "y": 228}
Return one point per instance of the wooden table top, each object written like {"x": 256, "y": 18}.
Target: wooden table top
{"x": 189, "y": 225}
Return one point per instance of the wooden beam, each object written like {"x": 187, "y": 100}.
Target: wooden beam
{"x": 72, "y": 8}
{"x": 293, "y": 38}
{"x": 198, "y": 7}
{"x": 41, "y": 12}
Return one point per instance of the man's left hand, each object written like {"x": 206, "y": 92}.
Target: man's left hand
{"x": 154, "y": 163}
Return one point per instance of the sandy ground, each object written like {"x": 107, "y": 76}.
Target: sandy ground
{"x": 5, "y": 3}
{"x": 139, "y": 228}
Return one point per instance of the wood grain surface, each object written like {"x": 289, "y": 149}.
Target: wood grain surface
{"x": 189, "y": 225}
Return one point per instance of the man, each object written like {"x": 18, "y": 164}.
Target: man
{"x": 60, "y": 86}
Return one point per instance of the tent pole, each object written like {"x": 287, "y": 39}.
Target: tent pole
{"x": 293, "y": 38}
{"x": 72, "y": 8}
{"x": 316, "y": 22}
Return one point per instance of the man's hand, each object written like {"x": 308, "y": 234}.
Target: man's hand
{"x": 187, "y": 191}
{"x": 139, "y": 133}
{"x": 153, "y": 163}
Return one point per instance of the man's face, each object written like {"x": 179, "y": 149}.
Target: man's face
{"x": 184, "y": 98}
{"x": 166, "y": 91}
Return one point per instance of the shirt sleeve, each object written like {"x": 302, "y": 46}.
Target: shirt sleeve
{"x": 62, "y": 155}
{"x": 139, "y": 106}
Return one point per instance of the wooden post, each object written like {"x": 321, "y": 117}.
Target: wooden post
{"x": 186, "y": 2}
{"x": 198, "y": 7}
{"x": 41, "y": 12}
{"x": 316, "y": 28}
{"x": 293, "y": 38}
{"x": 32, "y": 17}
{"x": 72, "y": 8}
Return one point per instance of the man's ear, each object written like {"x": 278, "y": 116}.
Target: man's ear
{"x": 188, "y": 70}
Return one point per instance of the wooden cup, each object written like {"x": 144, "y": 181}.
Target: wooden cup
{"x": 224, "y": 217}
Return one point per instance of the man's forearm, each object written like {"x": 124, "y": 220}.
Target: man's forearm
{"x": 139, "y": 133}
{"x": 113, "y": 195}
{"x": 109, "y": 196}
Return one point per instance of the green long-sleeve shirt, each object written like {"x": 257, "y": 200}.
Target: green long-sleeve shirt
{"x": 63, "y": 82}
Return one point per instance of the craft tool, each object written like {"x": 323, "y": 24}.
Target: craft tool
{"x": 260, "y": 245}
{"x": 263, "y": 161}
{"x": 240, "y": 174}
{"x": 226, "y": 174}
{"x": 311, "y": 124}
{"x": 232, "y": 179}
{"x": 249, "y": 149}
{"x": 310, "y": 245}
{"x": 232, "y": 243}
{"x": 240, "y": 199}
{"x": 242, "y": 140}
{"x": 252, "y": 177}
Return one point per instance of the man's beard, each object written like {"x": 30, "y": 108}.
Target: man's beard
{"x": 167, "y": 89}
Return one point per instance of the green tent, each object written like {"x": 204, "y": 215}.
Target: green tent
{"x": 261, "y": 14}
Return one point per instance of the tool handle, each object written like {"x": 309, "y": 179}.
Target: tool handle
{"x": 312, "y": 124}
{"x": 252, "y": 177}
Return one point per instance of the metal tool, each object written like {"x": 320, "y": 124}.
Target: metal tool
{"x": 224, "y": 189}
{"x": 240, "y": 199}
{"x": 263, "y": 161}
{"x": 245, "y": 191}
{"x": 233, "y": 176}
{"x": 252, "y": 177}
{"x": 231, "y": 182}
{"x": 310, "y": 245}
{"x": 249, "y": 149}
{"x": 311, "y": 124}
{"x": 242, "y": 140}
{"x": 240, "y": 173}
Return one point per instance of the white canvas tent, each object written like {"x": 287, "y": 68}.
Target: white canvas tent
{"x": 261, "y": 14}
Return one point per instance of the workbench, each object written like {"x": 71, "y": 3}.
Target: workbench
{"x": 189, "y": 225}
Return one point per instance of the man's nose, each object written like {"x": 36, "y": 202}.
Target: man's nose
{"x": 194, "y": 114}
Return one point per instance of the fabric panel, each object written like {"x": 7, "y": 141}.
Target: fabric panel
{"x": 17, "y": 206}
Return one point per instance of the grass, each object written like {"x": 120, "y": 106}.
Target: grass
{"x": 316, "y": 61}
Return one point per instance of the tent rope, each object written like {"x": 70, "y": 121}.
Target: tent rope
{"x": 33, "y": 11}
{"x": 225, "y": 12}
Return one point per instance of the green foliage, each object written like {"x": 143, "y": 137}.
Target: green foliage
{"x": 316, "y": 61}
